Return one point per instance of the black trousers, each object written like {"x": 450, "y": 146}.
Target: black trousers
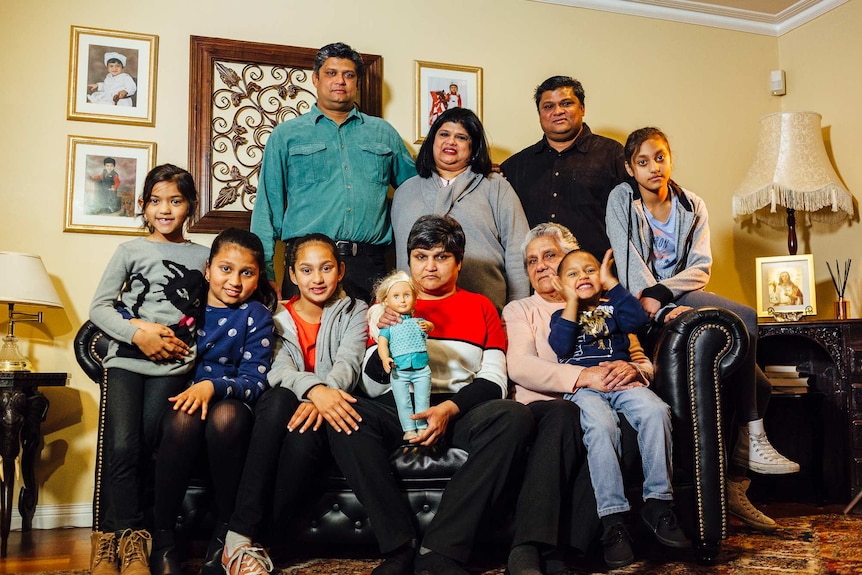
{"x": 133, "y": 409}
{"x": 556, "y": 505}
{"x": 494, "y": 433}
{"x": 280, "y": 466}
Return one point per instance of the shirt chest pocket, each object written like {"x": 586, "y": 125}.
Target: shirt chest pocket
{"x": 375, "y": 162}
{"x": 307, "y": 164}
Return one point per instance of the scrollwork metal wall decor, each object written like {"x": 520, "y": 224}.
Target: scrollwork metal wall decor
{"x": 239, "y": 91}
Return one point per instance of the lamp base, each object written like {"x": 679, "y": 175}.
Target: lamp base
{"x": 10, "y": 358}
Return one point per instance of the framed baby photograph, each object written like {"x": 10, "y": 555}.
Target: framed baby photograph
{"x": 785, "y": 287}
{"x": 112, "y": 76}
{"x": 443, "y": 86}
{"x": 104, "y": 181}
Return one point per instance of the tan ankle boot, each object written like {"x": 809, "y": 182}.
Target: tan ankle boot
{"x": 740, "y": 507}
{"x": 103, "y": 554}
{"x": 134, "y": 556}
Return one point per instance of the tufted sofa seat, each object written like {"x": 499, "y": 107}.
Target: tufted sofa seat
{"x": 692, "y": 355}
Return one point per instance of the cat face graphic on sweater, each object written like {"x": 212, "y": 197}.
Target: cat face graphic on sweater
{"x": 183, "y": 288}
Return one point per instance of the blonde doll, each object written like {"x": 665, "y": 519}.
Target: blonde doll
{"x": 403, "y": 351}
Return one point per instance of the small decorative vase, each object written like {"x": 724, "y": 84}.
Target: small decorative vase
{"x": 842, "y": 309}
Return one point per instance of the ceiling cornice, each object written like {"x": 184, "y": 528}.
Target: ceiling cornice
{"x": 713, "y": 15}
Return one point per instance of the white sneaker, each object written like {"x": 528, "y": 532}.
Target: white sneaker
{"x": 740, "y": 507}
{"x": 753, "y": 451}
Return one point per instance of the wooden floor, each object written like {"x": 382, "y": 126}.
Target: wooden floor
{"x": 47, "y": 550}
{"x": 69, "y": 549}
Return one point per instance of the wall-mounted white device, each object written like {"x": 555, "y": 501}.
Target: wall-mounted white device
{"x": 777, "y": 85}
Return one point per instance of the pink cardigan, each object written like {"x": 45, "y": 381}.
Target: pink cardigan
{"x": 532, "y": 364}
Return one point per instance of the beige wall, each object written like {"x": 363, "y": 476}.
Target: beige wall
{"x": 705, "y": 87}
{"x": 823, "y": 74}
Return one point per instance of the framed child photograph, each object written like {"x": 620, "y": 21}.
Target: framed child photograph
{"x": 785, "y": 286}
{"x": 112, "y": 76}
{"x": 104, "y": 181}
{"x": 443, "y": 86}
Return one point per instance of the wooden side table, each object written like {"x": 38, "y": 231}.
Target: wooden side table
{"x": 832, "y": 352}
{"x": 22, "y": 410}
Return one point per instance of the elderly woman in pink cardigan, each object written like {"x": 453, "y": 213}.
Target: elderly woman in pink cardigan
{"x": 556, "y": 507}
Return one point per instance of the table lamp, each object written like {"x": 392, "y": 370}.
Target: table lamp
{"x": 791, "y": 169}
{"x": 23, "y": 280}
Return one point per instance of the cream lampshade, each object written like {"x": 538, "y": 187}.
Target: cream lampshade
{"x": 23, "y": 280}
{"x": 791, "y": 169}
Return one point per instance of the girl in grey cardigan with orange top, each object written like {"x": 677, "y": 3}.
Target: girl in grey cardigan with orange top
{"x": 317, "y": 362}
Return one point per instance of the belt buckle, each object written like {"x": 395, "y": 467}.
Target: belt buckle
{"x": 354, "y": 247}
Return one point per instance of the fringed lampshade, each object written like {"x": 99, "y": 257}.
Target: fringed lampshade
{"x": 791, "y": 169}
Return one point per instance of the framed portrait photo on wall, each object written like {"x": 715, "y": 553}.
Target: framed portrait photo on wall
{"x": 443, "y": 86}
{"x": 104, "y": 181}
{"x": 785, "y": 286}
{"x": 112, "y": 76}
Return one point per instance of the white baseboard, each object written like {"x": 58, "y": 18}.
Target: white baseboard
{"x": 54, "y": 516}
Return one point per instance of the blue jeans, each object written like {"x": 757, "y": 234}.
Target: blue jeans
{"x": 650, "y": 417}
{"x": 421, "y": 380}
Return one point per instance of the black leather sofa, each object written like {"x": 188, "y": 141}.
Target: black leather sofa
{"x": 692, "y": 355}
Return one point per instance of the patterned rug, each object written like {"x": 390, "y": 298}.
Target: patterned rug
{"x": 817, "y": 544}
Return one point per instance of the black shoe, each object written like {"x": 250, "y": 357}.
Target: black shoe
{"x": 523, "y": 560}
{"x": 400, "y": 562}
{"x": 212, "y": 560}
{"x": 659, "y": 517}
{"x": 618, "y": 545}
{"x": 165, "y": 557}
{"x": 435, "y": 564}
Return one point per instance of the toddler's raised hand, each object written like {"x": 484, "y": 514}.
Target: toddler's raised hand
{"x": 606, "y": 274}
{"x": 567, "y": 292}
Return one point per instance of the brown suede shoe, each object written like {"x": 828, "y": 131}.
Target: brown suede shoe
{"x": 134, "y": 557}
{"x": 103, "y": 554}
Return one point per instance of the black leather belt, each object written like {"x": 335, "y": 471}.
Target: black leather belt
{"x": 347, "y": 248}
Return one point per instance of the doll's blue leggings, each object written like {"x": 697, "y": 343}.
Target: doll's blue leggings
{"x": 421, "y": 380}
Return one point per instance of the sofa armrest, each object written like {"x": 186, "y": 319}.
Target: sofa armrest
{"x": 693, "y": 355}
{"x": 91, "y": 345}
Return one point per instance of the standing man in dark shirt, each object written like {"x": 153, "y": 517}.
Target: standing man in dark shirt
{"x": 566, "y": 176}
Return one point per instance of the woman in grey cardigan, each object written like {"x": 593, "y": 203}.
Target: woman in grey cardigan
{"x": 455, "y": 179}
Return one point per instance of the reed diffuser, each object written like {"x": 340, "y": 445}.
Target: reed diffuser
{"x": 842, "y": 306}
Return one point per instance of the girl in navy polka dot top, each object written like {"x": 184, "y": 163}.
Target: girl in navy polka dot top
{"x": 214, "y": 414}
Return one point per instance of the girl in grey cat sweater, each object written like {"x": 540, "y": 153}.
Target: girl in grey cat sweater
{"x": 159, "y": 280}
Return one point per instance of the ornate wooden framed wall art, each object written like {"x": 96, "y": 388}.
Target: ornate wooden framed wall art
{"x": 239, "y": 91}
{"x": 112, "y": 76}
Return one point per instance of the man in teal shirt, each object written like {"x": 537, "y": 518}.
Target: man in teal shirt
{"x": 329, "y": 171}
